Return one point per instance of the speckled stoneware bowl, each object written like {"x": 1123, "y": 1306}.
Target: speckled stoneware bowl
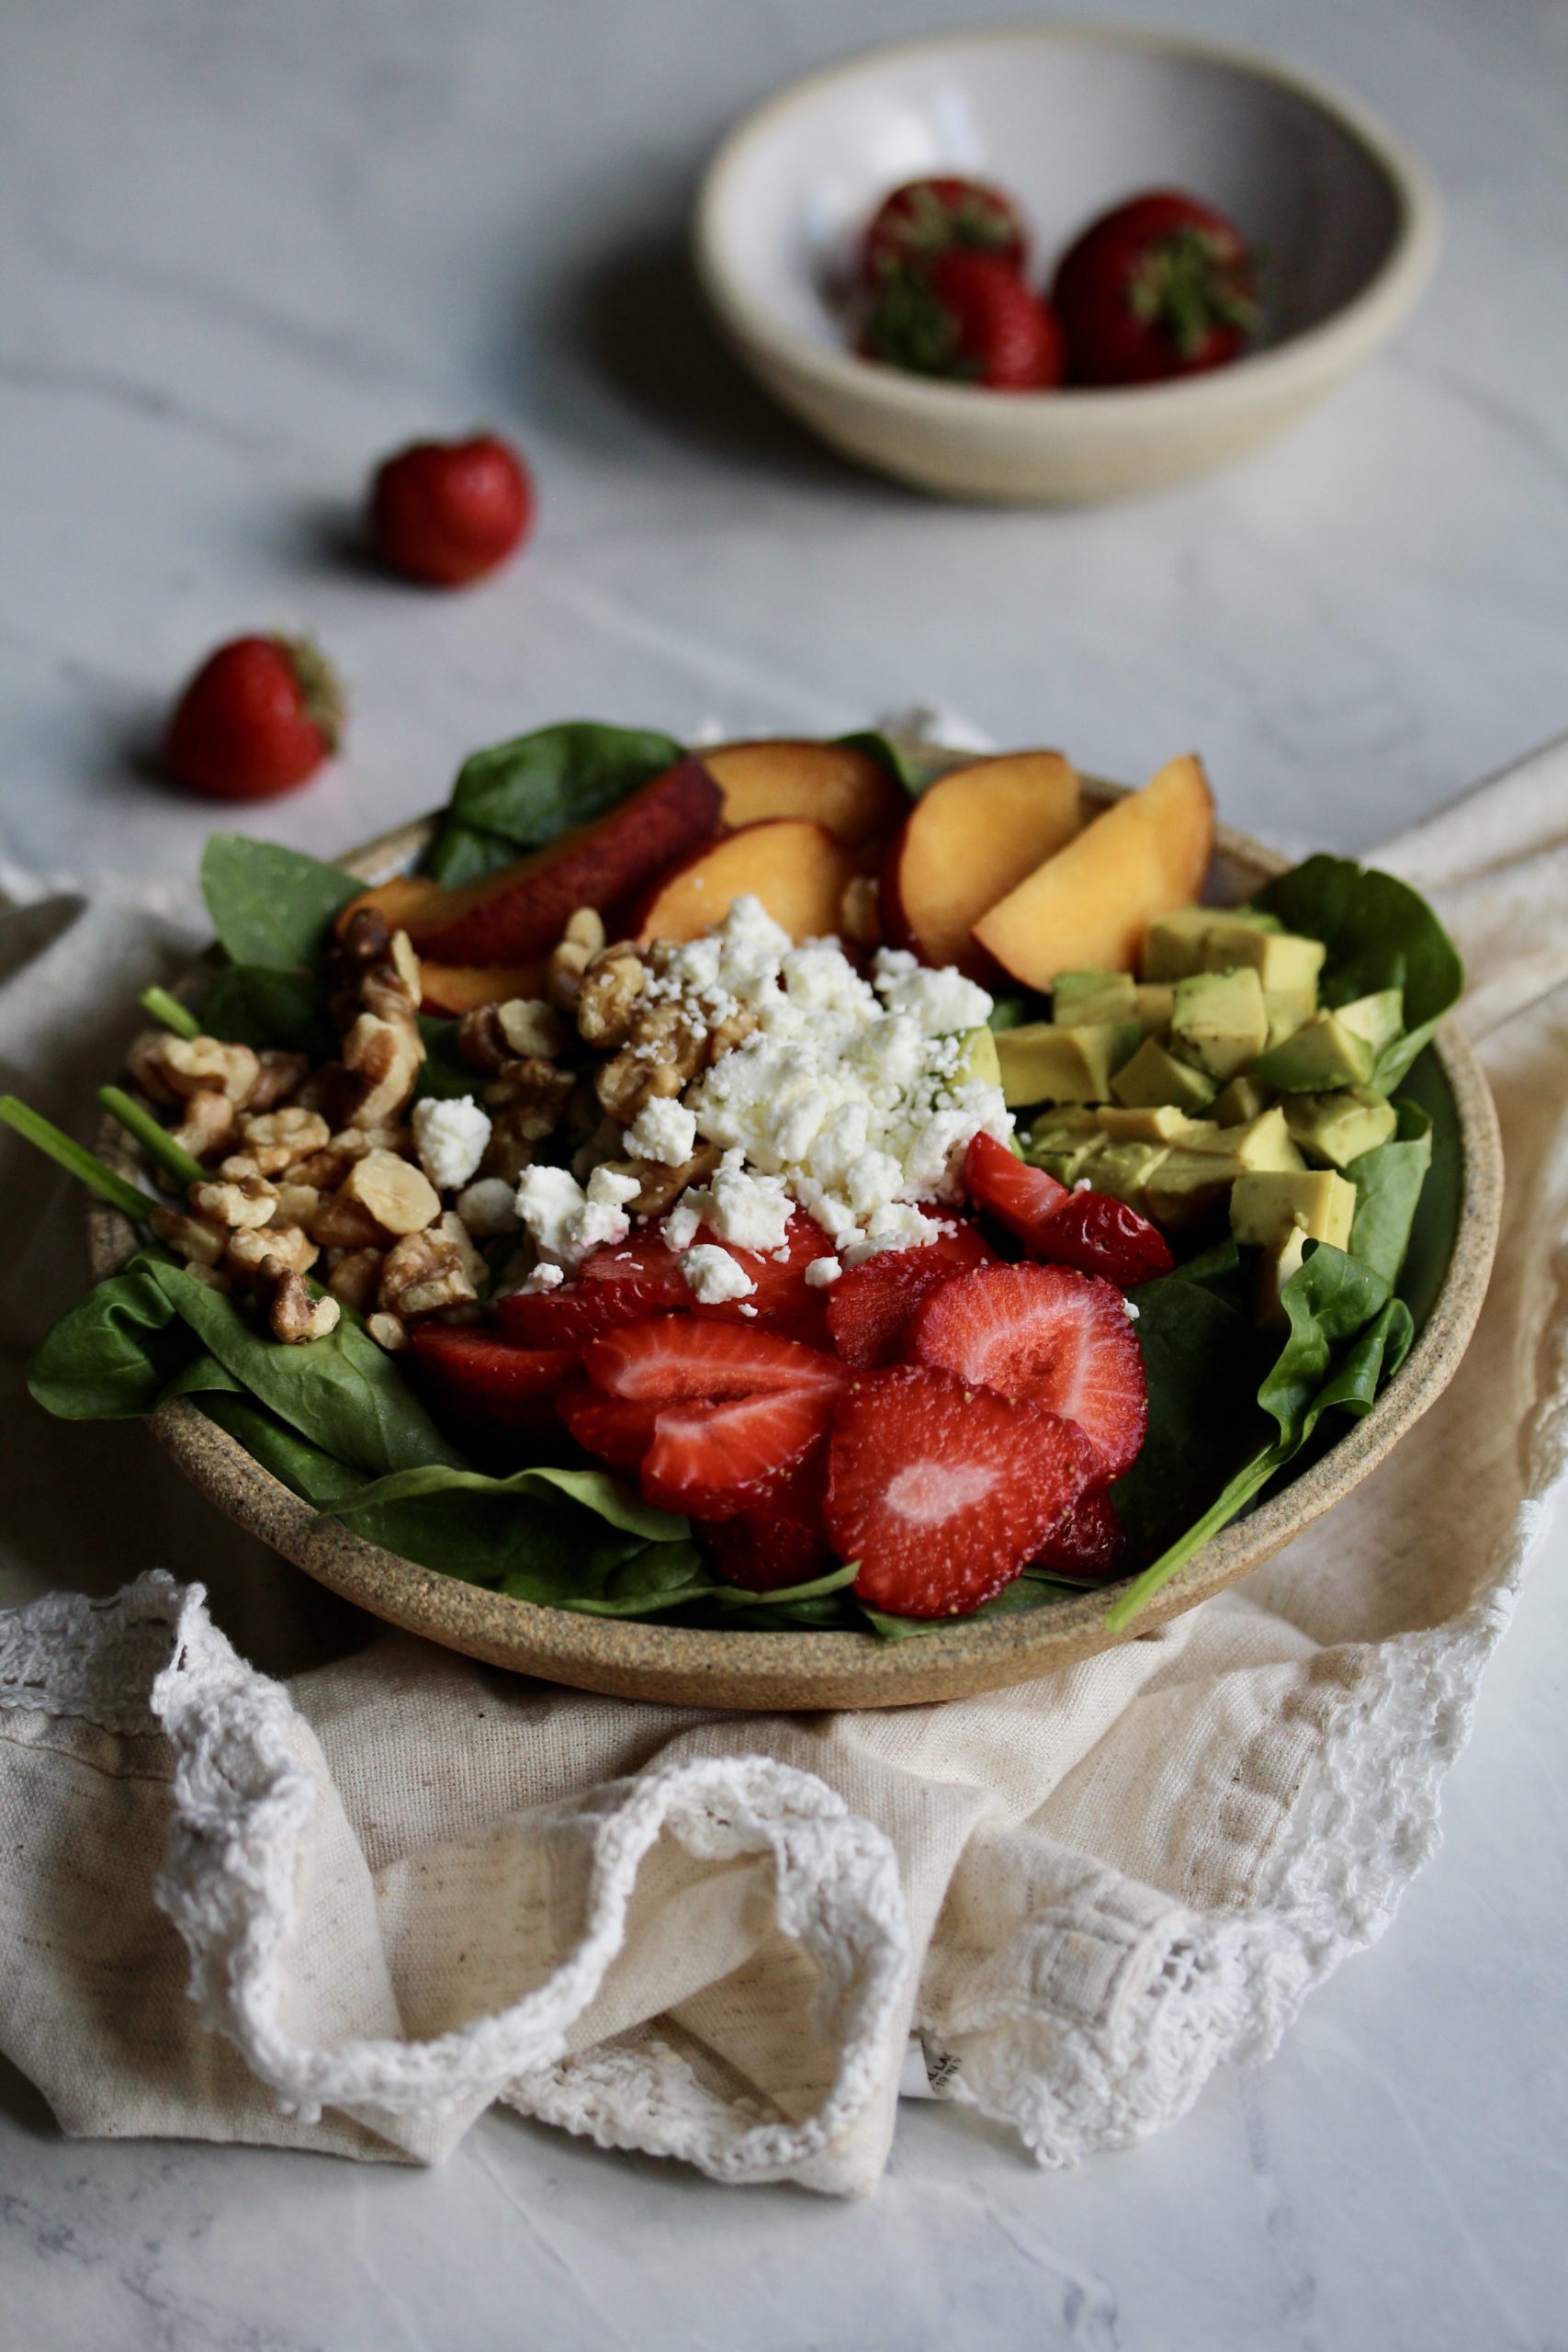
{"x": 756, "y": 1671}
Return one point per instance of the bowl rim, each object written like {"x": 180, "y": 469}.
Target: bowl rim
{"x": 1320, "y": 350}
{"x": 756, "y": 1672}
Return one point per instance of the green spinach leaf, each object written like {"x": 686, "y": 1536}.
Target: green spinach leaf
{"x": 111, "y": 1357}
{"x": 251, "y": 1004}
{"x": 520, "y": 794}
{"x": 1389, "y": 1181}
{"x": 1203, "y": 1360}
{"x": 594, "y": 1490}
{"x": 1380, "y": 933}
{"x": 271, "y": 906}
{"x": 444, "y": 1071}
{"x": 912, "y": 766}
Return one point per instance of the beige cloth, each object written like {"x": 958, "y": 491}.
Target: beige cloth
{"x": 349, "y": 1907}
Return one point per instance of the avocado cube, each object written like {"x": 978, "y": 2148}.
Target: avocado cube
{"x": 1378, "y": 1018}
{"x": 1080, "y": 1000}
{"x": 1040, "y": 1063}
{"x": 1187, "y": 1189}
{"x": 1286, "y": 963}
{"x": 1219, "y": 1023}
{"x": 1339, "y": 1127}
{"x": 1124, "y": 1170}
{"x": 1276, "y": 1264}
{"x": 1322, "y": 1057}
{"x": 1154, "y": 1075}
{"x": 1063, "y": 1142}
{"x": 1152, "y": 1006}
{"x": 980, "y": 1064}
{"x": 1266, "y": 1203}
{"x": 1148, "y": 1123}
{"x": 1241, "y": 1100}
{"x": 1287, "y": 1011}
{"x": 1174, "y": 945}
{"x": 1264, "y": 1142}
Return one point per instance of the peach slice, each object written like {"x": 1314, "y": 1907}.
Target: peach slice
{"x": 455, "y": 989}
{"x": 512, "y": 916}
{"x": 796, "y": 868}
{"x": 968, "y": 840}
{"x": 1092, "y": 903}
{"x": 845, "y": 790}
{"x": 402, "y": 903}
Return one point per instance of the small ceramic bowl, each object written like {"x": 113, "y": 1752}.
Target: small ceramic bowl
{"x": 1070, "y": 119}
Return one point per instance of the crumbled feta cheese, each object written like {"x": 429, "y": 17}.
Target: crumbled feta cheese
{"x": 713, "y": 1275}
{"x": 680, "y": 1227}
{"x": 450, "y": 1139}
{"x": 663, "y": 1130}
{"x": 942, "y": 1002}
{"x": 821, "y": 1271}
{"x": 1132, "y": 1312}
{"x": 489, "y": 1207}
{"x": 542, "y": 1278}
{"x": 566, "y": 1223}
{"x": 753, "y": 1212}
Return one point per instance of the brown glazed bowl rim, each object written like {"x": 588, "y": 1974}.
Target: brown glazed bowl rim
{"x": 754, "y": 1671}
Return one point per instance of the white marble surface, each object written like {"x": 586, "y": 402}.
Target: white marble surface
{"x": 247, "y": 246}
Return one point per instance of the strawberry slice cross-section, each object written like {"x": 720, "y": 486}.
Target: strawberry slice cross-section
{"x": 473, "y": 1372}
{"x": 1059, "y": 1339}
{"x": 713, "y": 1457}
{"x": 871, "y": 1306}
{"x": 666, "y": 1358}
{"x": 942, "y": 1492}
{"x": 1089, "y": 1230}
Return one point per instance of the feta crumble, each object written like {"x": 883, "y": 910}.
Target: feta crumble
{"x": 752, "y": 1212}
{"x": 713, "y": 1275}
{"x": 821, "y": 1271}
{"x": 568, "y": 1224}
{"x": 487, "y": 1207}
{"x": 450, "y": 1139}
{"x": 542, "y": 1278}
{"x": 663, "y": 1130}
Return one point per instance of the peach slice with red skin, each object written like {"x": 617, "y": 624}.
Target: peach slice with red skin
{"x": 846, "y": 790}
{"x": 1091, "y": 905}
{"x": 794, "y": 867}
{"x": 453, "y": 990}
{"x": 970, "y": 839}
{"x": 517, "y": 914}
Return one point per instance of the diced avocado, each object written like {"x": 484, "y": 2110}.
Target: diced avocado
{"x": 1339, "y": 1127}
{"x": 1063, "y": 1142}
{"x": 1264, "y": 1142}
{"x": 1185, "y": 1189}
{"x": 1155, "y": 1076}
{"x": 1276, "y": 1264}
{"x": 1322, "y": 1057}
{"x": 1286, "y": 963}
{"x": 1378, "y": 1018}
{"x": 1124, "y": 1170}
{"x": 1287, "y": 1011}
{"x": 1148, "y": 1123}
{"x": 1153, "y": 1000}
{"x": 1266, "y": 1203}
{"x": 980, "y": 1064}
{"x": 1242, "y": 1100}
{"x": 1040, "y": 1063}
{"x": 1174, "y": 945}
{"x": 1219, "y": 1023}
{"x": 1079, "y": 1000}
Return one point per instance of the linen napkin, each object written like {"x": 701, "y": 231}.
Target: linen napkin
{"x": 347, "y": 1895}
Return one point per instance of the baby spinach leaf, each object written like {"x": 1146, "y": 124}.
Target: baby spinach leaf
{"x": 520, "y": 794}
{"x": 1033, "y": 1589}
{"x": 657, "y": 1578}
{"x": 1380, "y": 933}
{"x": 912, "y": 766}
{"x": 443, "y": 1072}
{"x": 1014, "y": 1007}
{"x": 342, "y": 1392}
{"x": 1202, "y": 1361}
{"x": 251, "y": 1004}
{"x": 111, "y": 1357}
{"x": 269, "y": 904}
{"x": 595, "y": 1490}
{"x": 1389, "y": 1182}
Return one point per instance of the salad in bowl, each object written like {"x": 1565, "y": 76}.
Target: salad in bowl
{"x": 792, "y": 1186}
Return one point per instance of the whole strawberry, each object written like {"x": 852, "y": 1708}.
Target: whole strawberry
{"x": 259, "y": 716}
{"x": 968, "y": 316}
{"x": 447, "y": 511}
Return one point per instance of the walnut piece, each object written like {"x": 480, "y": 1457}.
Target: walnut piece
{"x": 423, "y": 1273}
{"x": 531, "y": 1027}
{"x": 281, "y": 1074}
{"x": 294, "y": 1316}
{"x": 664, "y": 1050}
{"x": 580, "y": 943}
{"x": 235, "y": 1201}
{"x": 860, "y": 911}
{"x": 275, "y": 1139}
{"x": 386, "y": 1332}
{"x": 208, "y": 1124}
{"x": 609, "y": 994}
{"x": 338, "y": 1223}
{"x": 659, "y": 1186}
{"x": 376, "y": 976}
{"x": 355, "y": 1278}
{"x": 192, "y": 1236}
{"x": 185, "y": 1066}
{"x": 271, "y": 1251}
{"x": 399, "y": 1197}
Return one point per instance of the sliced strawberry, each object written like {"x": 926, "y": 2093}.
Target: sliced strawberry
{"x": 785, "y": 1541}
{"x": 671, "y": 1357}
{"x": 781, "y": 1294}
{"x": 474, "y": 1371}
{"x": 1061, "y": 1339}
{"x": 1020, "y": 1197}
{"x": 714, "y": 1457}
{"x": 942, "y": 1492}
{"x": 1102, "y": 1235}
{"x": 1086, "y": 1545}
{"x": 641, "y": 1277}
{"x": 618, "y": 1430}
{"x": 871, "y": 1306}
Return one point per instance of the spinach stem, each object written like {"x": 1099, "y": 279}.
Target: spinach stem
{"x": 74, "y": 1159}
{"x": 1241, "y": 1489}
{"x": 154, "y": 1138}
{"x": 171, "y": 1012}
